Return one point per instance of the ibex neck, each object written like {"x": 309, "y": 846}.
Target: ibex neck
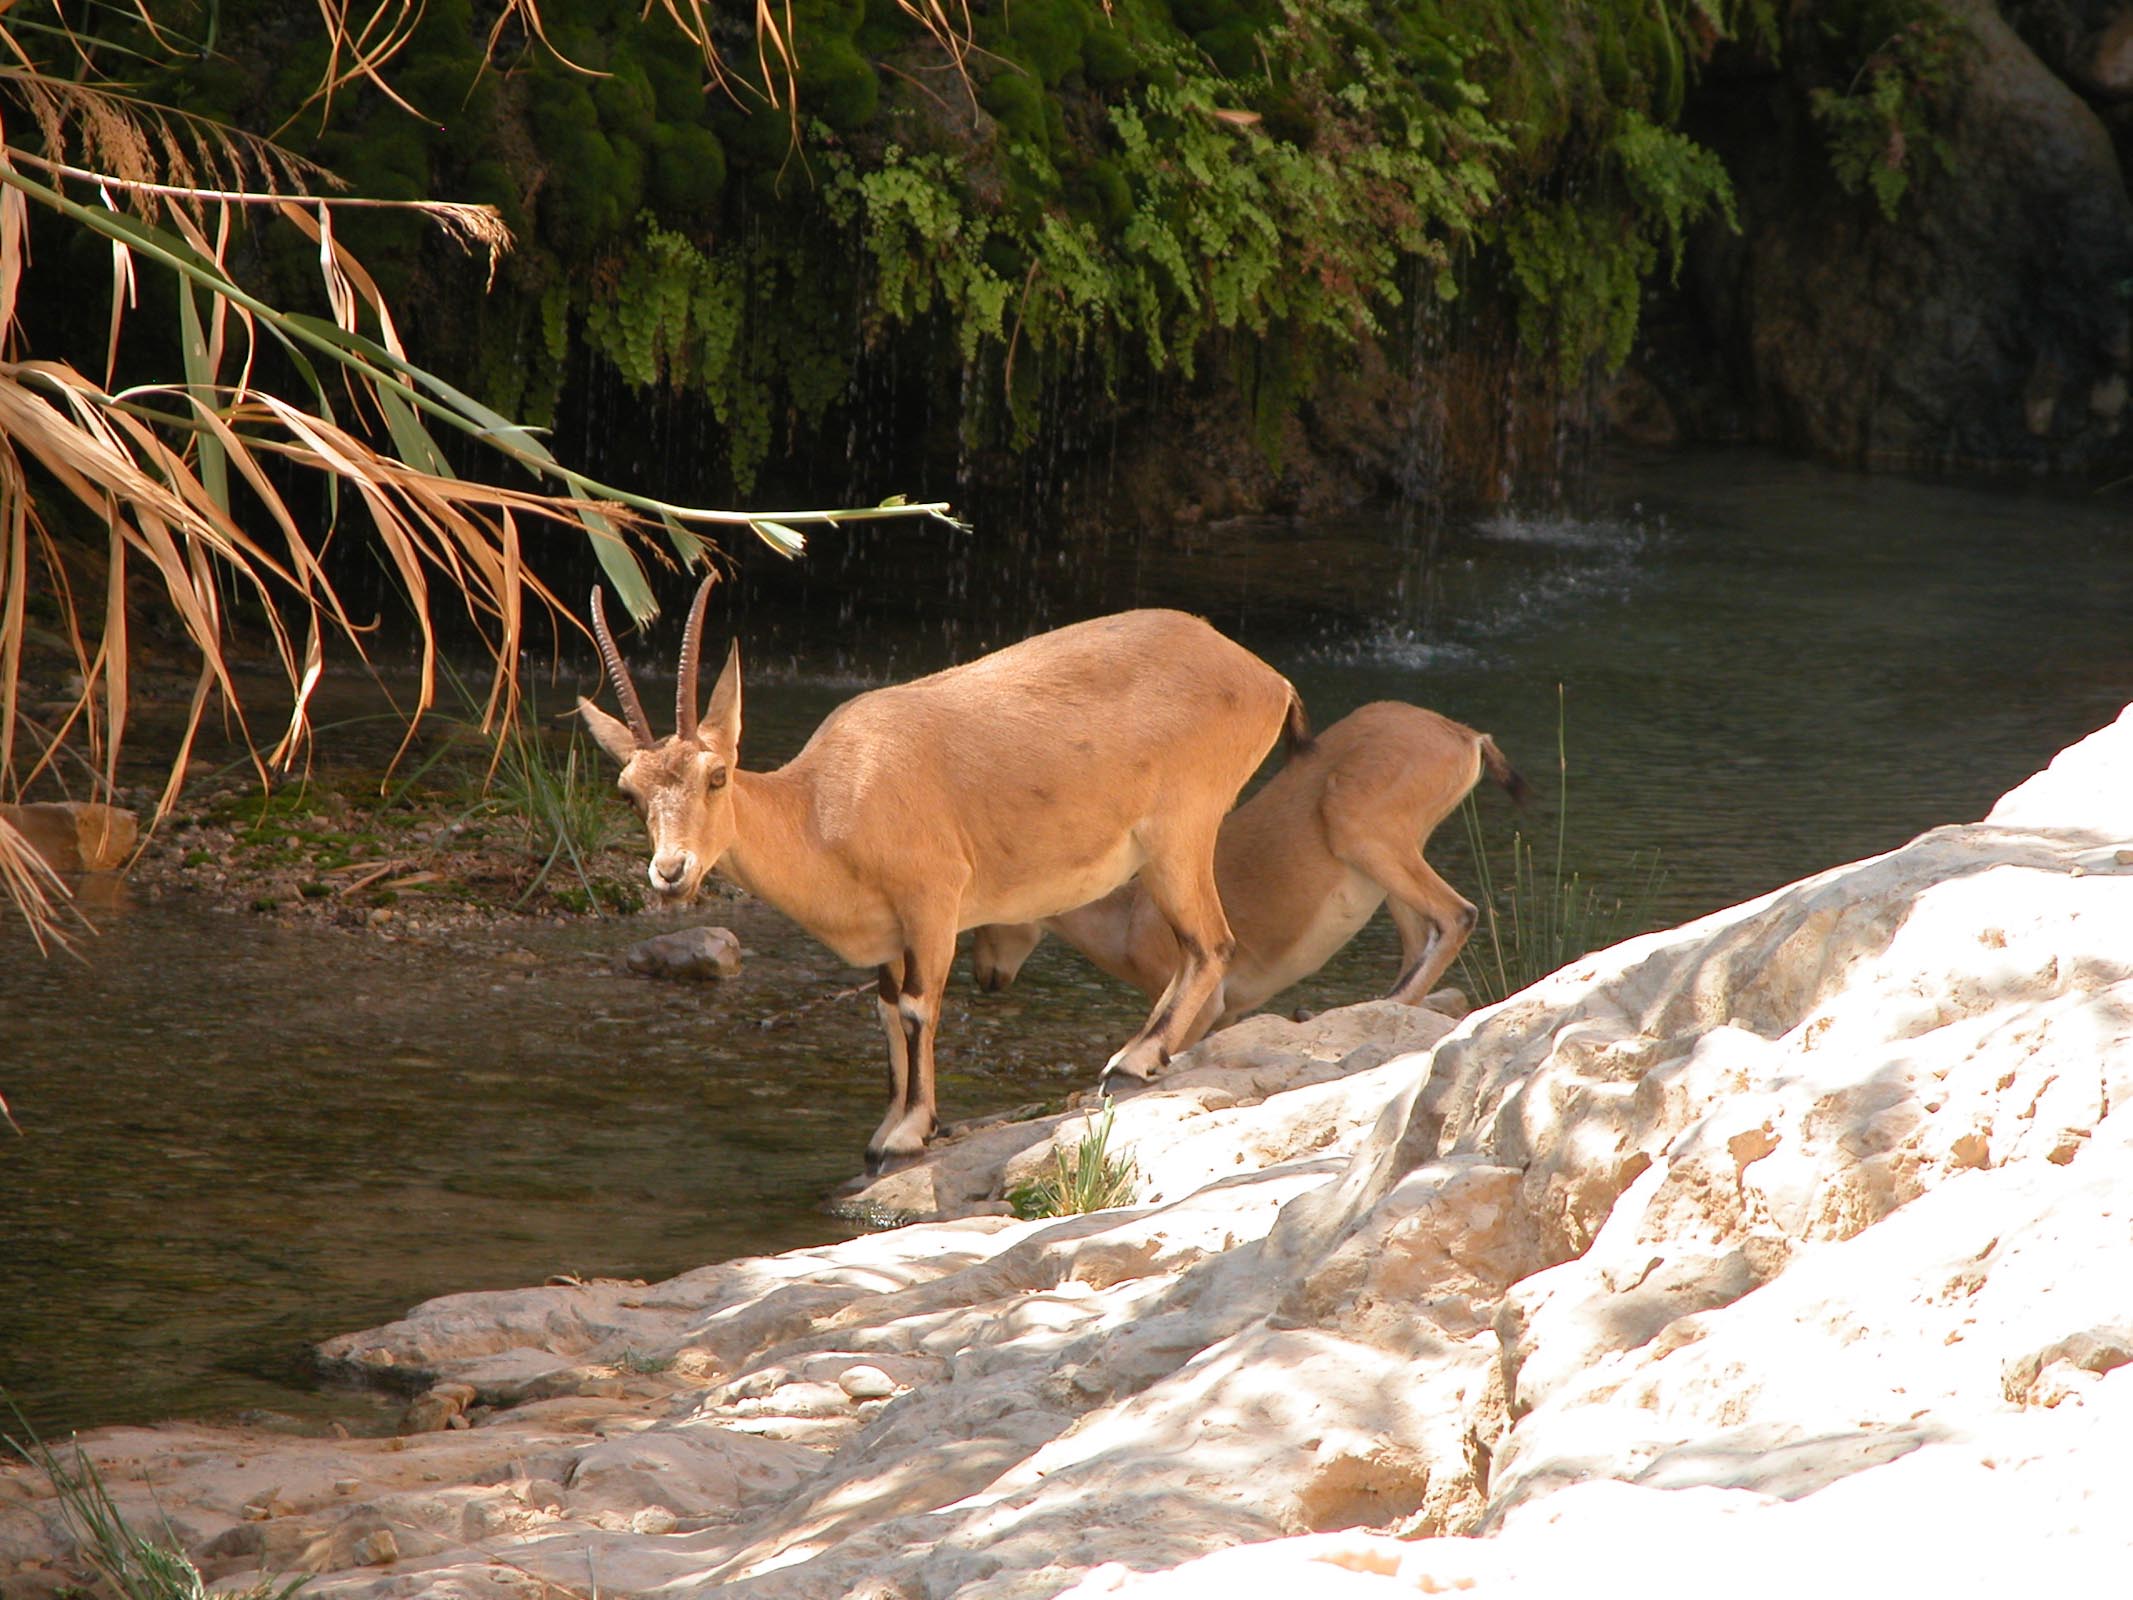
{"x": 771, "y": 844}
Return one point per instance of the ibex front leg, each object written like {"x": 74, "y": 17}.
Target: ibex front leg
{"x": 908, "y": 994}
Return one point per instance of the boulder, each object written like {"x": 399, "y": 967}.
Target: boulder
{"x": 75, "y": 835}
{"x": 697, "y": 954}
{"x": 1985, "y": 323}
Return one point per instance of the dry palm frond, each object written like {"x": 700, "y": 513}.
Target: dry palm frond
{"x": 135, "y": 142}
{"x": 189, "y": 480}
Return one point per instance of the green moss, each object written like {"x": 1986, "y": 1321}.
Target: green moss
{"x": 1118, "y": 210}
{"x": 688, "y": 171}
{"x": 1045, "y": 36}
{"x": 1107, "y": 60}
{"x": 1017, "y": 102}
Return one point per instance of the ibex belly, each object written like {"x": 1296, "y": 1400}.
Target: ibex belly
{"x": 1292, "y": 954}
{"x": 1046, "y": 888}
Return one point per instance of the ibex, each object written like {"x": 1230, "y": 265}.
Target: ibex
{"x": 1301, "y": 866}
{"x": 1022, "y": 784}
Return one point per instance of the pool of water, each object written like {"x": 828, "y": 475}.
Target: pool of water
{"x": 242, "y": 1137}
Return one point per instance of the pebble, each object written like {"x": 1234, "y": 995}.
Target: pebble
{"x": 866, "y": 1383}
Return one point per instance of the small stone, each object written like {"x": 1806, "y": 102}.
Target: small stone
{"x": 701, "y": 954}
{"x": 76, "y": 835}
{"x": 653, "y": 1519}
{"x": 543, "y": 1494}
{"x": 866, "y": 1383}
{"x": 437, "y": 1409}
{"x": 756, "y": 1385}
{"x": 377, "y": 1548}
{"x": 347, "y": 1485}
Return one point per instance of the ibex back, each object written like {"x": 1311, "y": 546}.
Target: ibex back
{"x": 1019, "y": 785}
{"x": 1302, "y": 865}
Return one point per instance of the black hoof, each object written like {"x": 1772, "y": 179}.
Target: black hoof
{"x": 882, "y": 1164}
{"x": 1122, "y": 1085}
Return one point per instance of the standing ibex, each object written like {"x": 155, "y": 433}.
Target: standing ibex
{"x": 1302, "y": 865}
{"x": 1018, "y": 785}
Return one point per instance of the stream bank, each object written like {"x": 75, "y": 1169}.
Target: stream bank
{"x": 1768, "y": 1231}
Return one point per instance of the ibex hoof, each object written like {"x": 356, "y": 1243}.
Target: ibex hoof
{"x": 880, "y": 1163}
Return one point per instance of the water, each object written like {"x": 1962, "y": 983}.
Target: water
{"x": 241, "y": 1137}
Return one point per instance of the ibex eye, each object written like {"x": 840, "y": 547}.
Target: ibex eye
{"x": 717, "y": 778}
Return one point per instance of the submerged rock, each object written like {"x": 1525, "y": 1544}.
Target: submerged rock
{"x": 1787, "y": 1232}
{"x": 700, "y": 954}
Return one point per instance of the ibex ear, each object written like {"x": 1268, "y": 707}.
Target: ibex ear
{"x": 612, "y": 734}
{"x": 723, "y": 718}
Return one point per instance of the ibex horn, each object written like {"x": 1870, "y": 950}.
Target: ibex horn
{"x": 686, "y": 709}
{"x": 619, "y": 676}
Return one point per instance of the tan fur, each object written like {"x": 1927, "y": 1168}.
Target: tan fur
{"x": 1302, "y": 865}
{"x": 1005, "y": 790}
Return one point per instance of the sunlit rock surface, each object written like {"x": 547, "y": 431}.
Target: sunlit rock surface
{"x": 1789, "y": 1244}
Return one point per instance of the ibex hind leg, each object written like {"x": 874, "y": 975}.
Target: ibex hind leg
{"x": 1434, "y": 920}
{"x": 1180, "y": 881}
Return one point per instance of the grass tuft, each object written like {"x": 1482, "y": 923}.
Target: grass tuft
{"x": 1540, "y": 920}
{"x": 563, "y": 797}
{"x": 1087, "y": 1176}
{"x": 131, "y": 1565}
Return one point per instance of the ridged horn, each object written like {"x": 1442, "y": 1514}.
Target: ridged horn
{"x": 686, "y": 709}
{"x": 619, "y": 676}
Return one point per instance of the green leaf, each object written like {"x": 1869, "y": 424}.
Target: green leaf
{"x": 410, "y": 437}
{"x": 686, "y": 542}
{"x": 620, "y": 564}
{"x": 786, "y": 541}
{"x": 200, "y": 376}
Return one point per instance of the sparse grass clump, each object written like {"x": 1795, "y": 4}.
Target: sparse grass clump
{"x": 130, "y": 1565}
{"x": 1544, "y": 918}
{"x": 563, "y": 799}
{"x": 1086, "y": 1176}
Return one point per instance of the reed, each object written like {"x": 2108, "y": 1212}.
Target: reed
{"x": 1543, "y": 916}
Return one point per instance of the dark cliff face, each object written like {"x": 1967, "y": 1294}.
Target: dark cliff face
{"x": 1980, "y": 320}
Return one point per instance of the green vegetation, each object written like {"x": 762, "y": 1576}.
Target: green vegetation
{"x": 562, "y": 798}
{"x": 131, "y": 1565}
{"x": 1091, "y": 194}
{"x": 1539, "y": 919}
{"x": 1086, "y": 1176}
{"x": 1898, "y": 61}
